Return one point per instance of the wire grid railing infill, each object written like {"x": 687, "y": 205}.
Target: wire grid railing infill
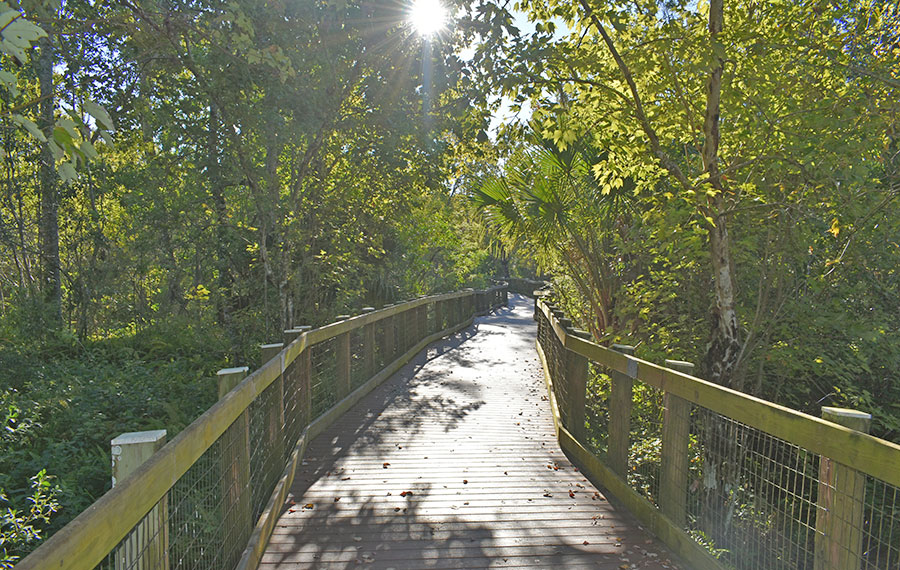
{"x": 748, "y": 499}
{"x": 231, "y": 459}
{"x": 324, "y": 376}
{"x": 359, "y": 372}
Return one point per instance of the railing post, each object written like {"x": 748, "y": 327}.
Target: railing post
{"x": 841, "y": 498}
{"x": 275, "y": 424}
{"x": 305, "y": 373}
{"x": 342, "y": 356}
{"x": 389, "y": 337}
{"x": 369, "y": 345}
{"x": 674, "y": 461}
{"x": 576, "y": 380}
{"x": 422, "y": 328}
{"x": 438, "y": 316}
{"x": 235, "y": 457}
{"x": 147, "y": 546}
{"x": 620, "y": 402}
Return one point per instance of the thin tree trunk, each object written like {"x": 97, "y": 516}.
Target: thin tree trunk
{"x": 725, "y": 345}
{"x": 51, "y": 285}
{"x": 223, "y": 295}
{"x": 723, "y": 441}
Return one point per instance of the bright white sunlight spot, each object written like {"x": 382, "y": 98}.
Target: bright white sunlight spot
{"x": 427, "y": 16}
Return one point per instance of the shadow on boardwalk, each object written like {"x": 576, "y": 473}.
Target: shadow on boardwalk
{"x": 452, "y": 463}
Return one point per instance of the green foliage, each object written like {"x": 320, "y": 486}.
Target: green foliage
{"x": 807, "y": 155}
{"x": 20, "y": 529}
{"x": 69, "y": 399}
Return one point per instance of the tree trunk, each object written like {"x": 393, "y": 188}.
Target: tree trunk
{"x": 224, "y": 281}
{"x": 724, "y": 347}
{"x": 723, "y": 443}
{"x": 51, "y": 285}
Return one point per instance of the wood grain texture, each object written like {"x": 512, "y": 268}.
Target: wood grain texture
{"x": 453, "y": 463}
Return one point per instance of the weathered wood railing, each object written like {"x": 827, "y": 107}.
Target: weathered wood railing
{"x": 210, "y": 498}
{"x": 725, "y": 479}
{"x": 525, "y": 286}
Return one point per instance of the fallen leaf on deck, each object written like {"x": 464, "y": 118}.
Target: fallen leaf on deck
{"x": 571, "y": 494}
{"x": 405, "y": 493}
{"x": 585, "y": 543}
{"x": 385, "y": 465}
{"x": 336, "y": 499}
{"x": 309, "y": 506}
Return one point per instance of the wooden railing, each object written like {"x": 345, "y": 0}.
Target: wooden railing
{"x": 525, "y": 287}
{"x": 725, "y": 479}
{"x": 209, "y": 499}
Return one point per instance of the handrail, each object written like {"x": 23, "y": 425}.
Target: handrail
{"x": 94, "y": 535}
{"x": 715, "y": 472}
{"x": 866, "y": 453}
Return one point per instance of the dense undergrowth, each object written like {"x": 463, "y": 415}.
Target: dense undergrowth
{"x": 64, "y": 401}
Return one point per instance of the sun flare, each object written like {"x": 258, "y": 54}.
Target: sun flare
{"x": 427, "y": 16}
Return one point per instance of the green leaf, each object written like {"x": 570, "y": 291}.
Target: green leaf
{"x": 29, "y": 126}
{"x": 100, "y": 114}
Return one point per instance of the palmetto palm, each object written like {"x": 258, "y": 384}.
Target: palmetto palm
{"x": 550, "y": 201}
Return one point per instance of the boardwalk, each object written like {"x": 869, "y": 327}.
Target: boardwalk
{"x": 453, "y": 464}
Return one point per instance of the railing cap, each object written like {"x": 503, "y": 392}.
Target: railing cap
{"x": 846, "y": 412}
{"x": 236, "y": 370}
{"x": 133, "y": 437}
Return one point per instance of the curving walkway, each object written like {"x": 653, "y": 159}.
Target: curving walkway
{"x": 453, "y": 463}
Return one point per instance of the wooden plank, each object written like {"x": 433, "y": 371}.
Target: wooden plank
{"x": 681, "y": 543}
{"x": 602, "y": 476}
{"x": 87, "y": 540}
{"x": 473, "y": 444}
{"x": 266, "y": 524}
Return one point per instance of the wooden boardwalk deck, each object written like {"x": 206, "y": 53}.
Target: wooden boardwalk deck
{"x": 452, "y": 463}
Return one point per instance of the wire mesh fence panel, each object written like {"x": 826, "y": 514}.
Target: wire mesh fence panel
{"x": 645, "y": 450}
{"x": 409, "y": 329}
{"x": 749, "y": 498}
{"x": 431, "y": 319}
{"x": 382, "y": 357}
{"x": 752, "y": 496}
{"x": 296, "y": 400}
{"x": 880, "y": 545}
{"x": 146, "y": 546}
{"x": 323, "y": 371}
{"x": 267, "y": 445}
{"x": 205, "y": 520}
{"x": 358, "y": 367}
{"x": 596, "y": 412}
